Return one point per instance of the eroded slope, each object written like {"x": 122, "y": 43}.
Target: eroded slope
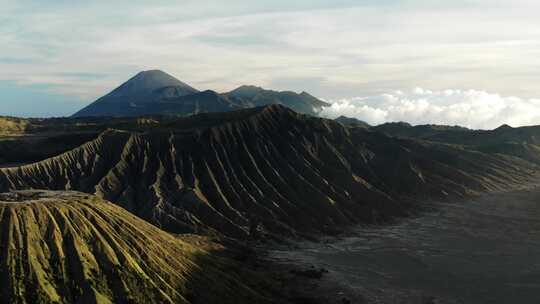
{"x": 268, "y": 170}
{"x": 68, "y": 247}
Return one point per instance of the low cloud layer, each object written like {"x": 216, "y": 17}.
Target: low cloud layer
{"x": 470, "y": 108}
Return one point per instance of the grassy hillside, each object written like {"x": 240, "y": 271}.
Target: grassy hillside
{"x": 68, "y": 247}
{"x": 13, "y": 126}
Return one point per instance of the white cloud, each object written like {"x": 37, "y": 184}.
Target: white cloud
{"x": 470, "y": 108}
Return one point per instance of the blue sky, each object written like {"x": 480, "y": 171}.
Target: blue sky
{"x": 35, "y": 101}
{"x": 57, "y": 56}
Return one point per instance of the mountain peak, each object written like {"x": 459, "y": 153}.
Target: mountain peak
{"x": 140, "y": 90}
{"x": 146, "y": 82}
{"x": 154, "y": 71}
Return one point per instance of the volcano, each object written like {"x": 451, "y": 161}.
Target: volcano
{"x": 158, "y": 93}
{"x": 132, "y": 97}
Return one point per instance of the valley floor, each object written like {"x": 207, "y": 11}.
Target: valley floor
{"x": 482, "y": 250}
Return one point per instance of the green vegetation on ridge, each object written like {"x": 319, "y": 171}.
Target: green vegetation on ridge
{"x": 68, "y": 247}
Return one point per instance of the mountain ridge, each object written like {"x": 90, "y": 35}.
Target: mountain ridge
{"x": 70, "y": 247}
{"x": 271, "y": 167}
{"x": 156, "y": 92}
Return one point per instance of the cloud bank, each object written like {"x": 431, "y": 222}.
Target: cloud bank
{"x": 469, "y": 108}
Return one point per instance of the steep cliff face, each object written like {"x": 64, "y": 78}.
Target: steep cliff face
{"x": 68, "y": 247}
{"x": 269, "y": 168}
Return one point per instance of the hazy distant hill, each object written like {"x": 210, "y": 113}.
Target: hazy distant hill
{"x": 256, "y": 96}
{"x": 404, "y": 129}
{"x": 156, "y": 92}
{"x": 351, "y": 121}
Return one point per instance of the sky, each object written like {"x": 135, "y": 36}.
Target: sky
{"x": 58, "y": 56}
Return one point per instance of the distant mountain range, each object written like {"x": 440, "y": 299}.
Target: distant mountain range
{"x": 155, "y": 92}
{"x": 350, "y": 121}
